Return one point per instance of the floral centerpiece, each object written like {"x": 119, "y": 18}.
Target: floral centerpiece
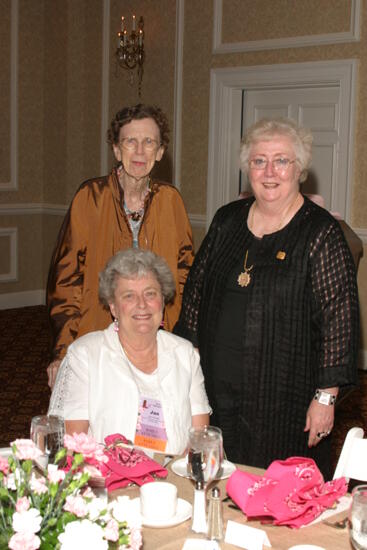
{"x": 58, "y": 510}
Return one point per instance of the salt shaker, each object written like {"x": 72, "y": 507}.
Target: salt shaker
{"x": 199, "y": 524}
{"x": 215, "y": 519}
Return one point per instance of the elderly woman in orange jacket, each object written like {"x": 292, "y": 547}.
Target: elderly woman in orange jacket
{"x": 107, "y": 214}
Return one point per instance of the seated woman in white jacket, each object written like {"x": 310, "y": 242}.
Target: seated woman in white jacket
{"x": 132, "y": 378}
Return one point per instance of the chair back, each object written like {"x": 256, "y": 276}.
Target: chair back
{"x": 352, "y": 463}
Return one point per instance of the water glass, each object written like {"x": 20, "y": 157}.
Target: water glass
{"x": 47, "y": 432}
{"x": 358, "y": 518}
{"x": 205, "y": 453}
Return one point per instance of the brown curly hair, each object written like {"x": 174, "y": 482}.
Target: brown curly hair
{"x": 138, "y": 112}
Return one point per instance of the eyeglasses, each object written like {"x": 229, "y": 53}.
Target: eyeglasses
{"x": 279, "y": 164}
{"x": 148, "y": 295}
{"x": 131, "y": 144}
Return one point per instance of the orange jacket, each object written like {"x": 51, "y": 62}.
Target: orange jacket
{"x": 94, "y": 229}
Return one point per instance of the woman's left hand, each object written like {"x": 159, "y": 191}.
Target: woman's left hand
{"x": 319, "y": 420}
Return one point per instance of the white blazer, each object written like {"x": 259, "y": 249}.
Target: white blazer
{"x": 95, "y": 383}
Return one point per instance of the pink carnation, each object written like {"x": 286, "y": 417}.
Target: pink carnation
{"x": 38, "y": 485}
{"x": 22, "y": 504}
{"x": 76, "y": 505}
{"x": 4, "y": 465}
{"x": 111, "y": 531}
{"x": 135, "y": 538}
{"x": 86, "y": 445}
{"x": 26, "y": 449}
{"x": 24, "y": 541}
{"x": 54, "y": 474}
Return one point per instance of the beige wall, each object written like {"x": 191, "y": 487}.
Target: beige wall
{"x": 59, "y": 103}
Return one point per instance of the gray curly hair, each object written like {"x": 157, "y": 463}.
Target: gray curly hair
{"x": 266, "y": 129}
{"x": 135, "y": 263}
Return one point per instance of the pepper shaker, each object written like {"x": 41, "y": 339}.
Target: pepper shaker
{"x": 215, "y": 517}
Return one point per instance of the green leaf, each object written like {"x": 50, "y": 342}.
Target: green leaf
{"x": 78, "y": 460}
{"x": 60, "y": 454}
{"x": 27, "y": 466}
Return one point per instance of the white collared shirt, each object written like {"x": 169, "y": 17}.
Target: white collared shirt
{"x": 95, "y": 383}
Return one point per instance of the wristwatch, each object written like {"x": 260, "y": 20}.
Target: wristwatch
{"x": 324, "y": 397}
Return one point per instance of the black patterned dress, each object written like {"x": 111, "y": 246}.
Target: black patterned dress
{"x": 265, "y": 348}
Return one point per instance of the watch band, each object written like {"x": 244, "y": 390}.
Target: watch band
{"x": 324, "y": 397}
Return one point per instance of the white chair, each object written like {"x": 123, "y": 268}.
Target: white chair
{"x": 352, "y": 462}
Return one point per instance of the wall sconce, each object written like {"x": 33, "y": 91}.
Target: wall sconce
{"x": 130, "y": 50}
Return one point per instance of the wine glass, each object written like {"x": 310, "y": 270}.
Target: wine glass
{"x": 47, "y": 432}
{"x": 358, "y": 518}
{"x": 205, "y": 452}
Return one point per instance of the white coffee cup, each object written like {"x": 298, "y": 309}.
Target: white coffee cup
{"x": 158, "y": 500}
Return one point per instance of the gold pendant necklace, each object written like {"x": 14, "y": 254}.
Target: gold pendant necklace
{"x": 244, "y": 278}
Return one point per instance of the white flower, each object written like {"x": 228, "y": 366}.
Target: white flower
{"x": 82, "y": 534}
{"x": 28, "y": 521}
{"x": 122, "y": 510}
{"x": 17, "y": 476}
{"x": 95, "y": 507}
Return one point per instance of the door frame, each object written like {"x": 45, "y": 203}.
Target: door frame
{"x": 226, "y": 87}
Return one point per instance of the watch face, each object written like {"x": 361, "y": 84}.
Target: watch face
{"x": 324, "y": 398}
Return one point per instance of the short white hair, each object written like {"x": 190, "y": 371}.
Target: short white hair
{"x": 268, "y": 129}
{"x": 135, "y": 263}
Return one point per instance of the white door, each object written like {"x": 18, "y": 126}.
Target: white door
{"x": 313, "y": 107}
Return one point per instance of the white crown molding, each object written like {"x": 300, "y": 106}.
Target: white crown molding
{"x": 352, "y": 35}
{"x": 105, "y": 83}
{"x": 12, "y": 185}
{"x": 362, "y": 359}
{"x": 23, "y": 299}
{"x": 22, "y": 209}
{"x": 12, "y": 275}
{"x": 177, "y": 130}
{"x": 197, "y": 220}
{"x": 362, "y": 234}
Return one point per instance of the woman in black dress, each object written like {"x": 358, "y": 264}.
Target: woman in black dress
{"x": 271, "y": 302}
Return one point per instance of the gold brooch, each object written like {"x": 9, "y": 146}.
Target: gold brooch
{"x": 281, "y": 255}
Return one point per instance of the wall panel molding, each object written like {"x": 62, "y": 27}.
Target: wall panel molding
{"x": 12, "y": 185}
{"x": 12, "y": 274}
{"x": 22, "y": 209}
{"x": 23, "y": 299}
{"x": 352, "y": 35}
{"x": 196, "y": 220}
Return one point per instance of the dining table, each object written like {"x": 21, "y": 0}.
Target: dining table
{"x": 280, "y": 537}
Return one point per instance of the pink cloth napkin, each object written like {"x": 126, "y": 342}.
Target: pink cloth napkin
{"x": 126, "y": 466}
{"x": 292, "y": 492}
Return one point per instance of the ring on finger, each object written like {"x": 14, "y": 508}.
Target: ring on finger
{"x": 320, "y": 435}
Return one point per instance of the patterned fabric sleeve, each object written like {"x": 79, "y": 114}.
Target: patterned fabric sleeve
{"x": 69, "y": 397}
{"x": 187, "y": 325}
{"x": 335, "y": 308}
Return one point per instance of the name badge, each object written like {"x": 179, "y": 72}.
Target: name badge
{"x": 150, "y": 428}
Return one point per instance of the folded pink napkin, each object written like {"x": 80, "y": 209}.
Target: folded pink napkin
{"x": 126, "y": 466}
{"x": 291, "y": 492}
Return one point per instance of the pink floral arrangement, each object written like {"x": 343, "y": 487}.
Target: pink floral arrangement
{"x": 57, "y": 510}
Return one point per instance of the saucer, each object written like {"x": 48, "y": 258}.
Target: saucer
{"x": 179, "y": 467}
{"x": 184, "y": 511}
